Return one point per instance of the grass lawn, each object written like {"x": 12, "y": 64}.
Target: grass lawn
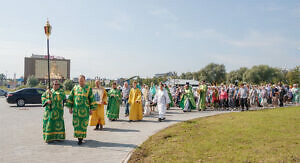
{"x": 271, "y": 135}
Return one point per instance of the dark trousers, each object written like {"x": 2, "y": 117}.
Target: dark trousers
{"x": 231, "y": 102}
{"x": 281, "y": 101}
{"x": 126, "y": 106}
{"x": 244, "y": 103}
{"x": 237, "y": 102}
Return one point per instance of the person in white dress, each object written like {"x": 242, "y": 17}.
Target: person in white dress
{"x": 162, "y": 99}
{"x": 147, "y": 96}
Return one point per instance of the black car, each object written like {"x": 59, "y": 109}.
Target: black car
{"x": 3, "y": 92}
{"x": 25, "y": 96}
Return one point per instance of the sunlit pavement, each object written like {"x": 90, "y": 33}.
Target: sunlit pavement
{"x": 21, "y": 136}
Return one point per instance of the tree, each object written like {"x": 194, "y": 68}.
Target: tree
{"x": 68, "y": 85}
{"x": 2, "y": 79}
{"x": 41, "y": 85}
{"x": 232, "y": 76}
{"x": 263, "y": 74}
{"x": 189, "y": 75}
{"x": 293, "y": 76}
{"x": 32, "y": 81}
{"x": 183, "y": 76}
{"x": 213, "y": 73}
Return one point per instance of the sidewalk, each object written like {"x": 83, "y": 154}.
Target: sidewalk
{"x": 21, "y": 135}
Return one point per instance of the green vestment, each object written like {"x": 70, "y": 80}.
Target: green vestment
{"x": 113, "y": 107}
{"x": 82, "y": 100}
{"x": 188, "y": 95}
{"x": 170, "y": 96}
{"x": 202, "y": 100}
{"x": 53, "y": 121}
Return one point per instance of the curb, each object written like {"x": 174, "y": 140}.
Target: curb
{"x": 127, "y": 157}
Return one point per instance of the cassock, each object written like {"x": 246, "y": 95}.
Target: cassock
{"x": 82, "y": 100}
{"x": 53, "y": 121}
{"x": 162, "y": 99}
{"x": 114, "y": 101}
{"x": 135, "y": 101}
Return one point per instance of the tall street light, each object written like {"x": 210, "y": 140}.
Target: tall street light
{"x": 47, "y": 29}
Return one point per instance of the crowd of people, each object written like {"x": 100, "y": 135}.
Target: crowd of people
{"x": 86, "y": 104}
{"x": 234, "y": 97}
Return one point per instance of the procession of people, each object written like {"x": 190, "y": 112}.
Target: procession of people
{"x": 87, "y": 105}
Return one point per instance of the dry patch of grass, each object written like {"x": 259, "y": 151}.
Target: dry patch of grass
{"x": 258, "y": 136}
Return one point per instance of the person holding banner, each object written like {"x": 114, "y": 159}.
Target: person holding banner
{"x": 97, "y": 118}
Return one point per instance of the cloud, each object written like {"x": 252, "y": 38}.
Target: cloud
{"x": 252, "y": 39}
{"x": 119, "y": 22}
{"x": 257, "y": 39}
{"x": 273, "y": 7}
{"x": 207, "y": 33}
{"x": 164, "y": 13}
{"x": 295, "y": 11}
{"x": 157, "y": 34}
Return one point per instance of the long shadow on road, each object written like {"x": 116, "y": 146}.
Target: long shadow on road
{"x": 156, "y": 121}
{"x": 119, "y": 130}
{"x": 93, "y": 144}
{"x": 32, "y": 106}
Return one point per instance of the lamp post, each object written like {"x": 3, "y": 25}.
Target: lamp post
{"x": 47, "y": 29}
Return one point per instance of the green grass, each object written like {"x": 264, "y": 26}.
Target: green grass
{"x": 271, "y": 135}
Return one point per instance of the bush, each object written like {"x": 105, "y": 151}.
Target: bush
{"x": 68, "y": 85}
{"x": 32, "y": 81}
{"x": 41, "y": 85}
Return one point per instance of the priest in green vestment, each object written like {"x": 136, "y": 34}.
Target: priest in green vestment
{"x": 114, "y": 101}
{"x": 81, "y": 103}
{"x": 187, "y": 102}
{"x": 170, "y": 96}
{"x": 202, "y": 96}
{"x": 53, "y": 121}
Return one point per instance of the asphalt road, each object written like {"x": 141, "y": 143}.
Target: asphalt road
{"x": 21, "y": 136}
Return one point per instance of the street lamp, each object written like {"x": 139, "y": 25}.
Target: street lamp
{"x": 47, "y": 29}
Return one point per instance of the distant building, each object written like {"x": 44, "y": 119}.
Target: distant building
{"x": 164, "y": 74}
{"x": 182, "y": 82}
{"x": 37, "y": 66}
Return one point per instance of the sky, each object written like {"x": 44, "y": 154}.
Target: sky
{"x": 124, "y": 38}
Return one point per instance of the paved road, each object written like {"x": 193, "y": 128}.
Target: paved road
{"x": 21, "y": 136}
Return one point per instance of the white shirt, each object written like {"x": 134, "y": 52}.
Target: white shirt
{"x": 161, "y": 97}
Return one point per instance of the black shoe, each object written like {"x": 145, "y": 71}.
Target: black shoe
{"x": 79, "y": 141}
{"x": 163, "y": 118}
{"x": 49, "y": 142}
{"x": 184, "y": 110}
{"x": 97, "y": 127}
{"x": 159, "y": 119}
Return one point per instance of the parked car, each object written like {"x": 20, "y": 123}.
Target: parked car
{"x": 3, "y": 92}
{"x": 25, "y": 96}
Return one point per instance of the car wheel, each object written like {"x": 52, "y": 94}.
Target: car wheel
{"x": 20, "y": 102}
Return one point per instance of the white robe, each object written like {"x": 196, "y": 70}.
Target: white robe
{"x": 162, "y": 99}
{"x": 147, "y": 109}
